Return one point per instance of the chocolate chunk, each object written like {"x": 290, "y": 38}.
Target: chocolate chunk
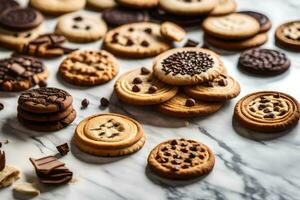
{"x": 78, "y": 19}
{"x": 188, "y": 160}
{"x": 2, "y": 160}
{"x": 190, "y": 102}
{"x": 201, "y": 156}
{"x": 129, "y": 42}
{"x": 148, "y": 30}
{"x": 191, "y": 43}
{"x": 222, "y": 82}
{"x": 85, "y": 103}
{"x": 167, "y": 154}
{"x": 145, "y": 43}
{"x": 192, "y": 155}
{"x": 43, "y": 83}
{"x": 104, "y": 102}
{"x": 145, "y": 71}
{"x": 75, "y": 27}
{"x": 1, "y": 106}
{"x": 184, "y": 150}
{"x": 136, "y": 88}
{"x": 269, "y": 115}
{"x": 137, "y": 80}
{"x": 152, "y": 89}
{"x": 63, "y": 149}
{"x": 176, "y": 162}
{"x": 193, "y": 148}
{"x": 174, "y": 142}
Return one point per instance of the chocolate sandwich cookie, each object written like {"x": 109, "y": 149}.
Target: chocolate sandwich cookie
{"x": 7, "y": 4}
{"x": 20, "y": 19}
{"x": 264, "y": 22}
{"x": 264, "y": 61}
{"x": 181, "y": 159}
{"x": 118, "y": 16}
{"x": 21, "y": 73}
{"x": 287, "y": 35}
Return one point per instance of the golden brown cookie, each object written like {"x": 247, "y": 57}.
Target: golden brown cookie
{"x": 187, "y": 66}
{"x": 267, "y": 111}
{"x": 181, "y": 159}
{"x": 88, "y": 68}
{"x": 109, "y": 135}
{"x": 288, "y": 35}
{"x": 138, "y": 4}
{"x": 140, "y": 87}
{"x": 222, "y": 88}
{"x": 183, "y": 106}
{"x": 172, "y": 31}
{"x": 224, "y": 7}
{"x": 136, "y": 40}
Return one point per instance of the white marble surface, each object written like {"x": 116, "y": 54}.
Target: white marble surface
{"x": 245, "y": 169}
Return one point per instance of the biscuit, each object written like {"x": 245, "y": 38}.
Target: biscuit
{"x": 88, "y": 68}
{"x": 139, "y": 4}
{"x": 140, "y": 87}
{"x": 187, "y": 66}
{"x": 234, "y": 26}
{"x": 181, "y": 159}
{"x": 57, "y": 7}
{"x": 101, "y": 4}
{"x": 183, "y": 106}
{"x": 172, "y": 31}
{"x": 222, "y": 88}
{"x": 81, "y": 27}
{"x": 224, "y": 7}
{"x": 287, "y": 35}
{"x": 8, "y": 176}
{"x": 264, "y": 22}
{"x": 264, "y": 61}
{"x": 109, "y": 135}
{"x": 191, "y": 7}
{"x": 267, "y": 111}
{"x": 136, "y": 40}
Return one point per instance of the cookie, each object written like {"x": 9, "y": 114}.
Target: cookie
{"x": 183, "y": 106}
{"x": 237, "y": 45}
{"x": 288, "y": 35}
{"x": 190, "y": 7}
{"x": 172, "y": 31}
{"x": 187, "y": 66}
{"x": 136, "y": 40}
{"x": 20, "y": 19}
{"x": 181, "y": 159}
{"x": 57, "y": 7}
{"x": 267, "y": 111}
{"x": 234, "y": 26}
{"x": 7, "y": 4}
{"x": 264, "y": 22}
{"x": 45, "y": 100}
{"x": 81, "y": 27}
{"x": 88, "y": 68}
{"x": 8, "y": 176}
{"x": 224, "y": 7}
{"x": 140, "y": 87}
{"x": 109, "y": 135}
{"x": 26, "y": 189}
{"x": 139, "y": 4}
{"x": 101, "y": 4}
{"x": 48, "y": 126}
{"x": 21, "y": 73}
{"x": 222, "y": 88}
{"x": 118, "y": 16}
{"x": 264, "y": 61}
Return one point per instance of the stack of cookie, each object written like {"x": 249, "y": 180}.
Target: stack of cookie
{"x": 237, "y": 31}
{"x": 46, "y": 109}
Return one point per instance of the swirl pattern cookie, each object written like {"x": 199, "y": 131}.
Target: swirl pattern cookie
{"x": 181, "y": 159}
{"x": 267, "y": 111}
{"x": 140, "y": 87}
{"x": 89, "y": 68}
{"x": 136, "y": 40}
{"x": 109, "y": 135}
{"x": 187, "y": 66}
{"x": 288, "y": 35}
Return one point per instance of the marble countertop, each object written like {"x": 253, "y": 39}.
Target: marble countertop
{"x": 245, "y": 168}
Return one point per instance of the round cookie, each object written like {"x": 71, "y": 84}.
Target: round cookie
{"x": 45, "y": 100}
{"x": 234, "y": 26}
{"x": 48, "y": 126}
{"x": 267, "y": 111}
{"x": 136, "y": 40}
{"x": 81, "y": 27}
{"x": 191, "y": 7}
{"x": 172, "y": 31}
{"x": 140, "y": 87}
{"x": 224, "y": 7}
{"x": 88, "y": 68}
{"x": 264, "y": 61}
{"x": 264, "y": 22}
{"x": 7, "y": 4}
{"x": 57, "y": 7}
{"x": 21, "y": 73}
{"x": 288, "y": 35}
{"x": 109, "y": 135}
{"x": 184, "y": 106}
{"x": 187, "y": 66}
{"x": 118, "y": 16}
{"x": 139, "y": 4}
{"x": 101, "y": 4}
{"x": 238, "y": 45}
{"x": 181, "y": 159}
{"x": 222, "y": 88}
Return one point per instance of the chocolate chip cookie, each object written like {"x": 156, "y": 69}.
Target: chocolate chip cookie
{"x": 267, "y": 111}
{"x": 181, "y": 159}
{"x": 264, "y": 22}
{"x": 288, "y": 35}
{"x": 88, "y": 68}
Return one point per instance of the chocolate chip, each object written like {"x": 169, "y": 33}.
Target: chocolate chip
{"x": 282, "y": 112}
{"x": 1, "y": 106}
{"x": 42, "y": 83}
{"x": 152, "y": 89}
{"x": 261, "y": 106}
{"x": 190, "y": 102}
{"x": 269, "y": 115}
{"x": 87, "y": 28}
{"x": 145, "y": 71}
{"x": 176, "y": 162}
{"x": 63, "y": 149}
{"x": 167, "y": 154}
{"x": 192, "y": 155}
{"x": 136, "y": 88}
{"x": 78, "y": 19}
{"x": 129, "y": 42}
{"x": 137, "y": 80}
{"x": 185, "y": 166}
{"x": 145, "y": 43}
{"x": 191, "y": 43}
{"x": 104, "y": 102}
{"x": 75, "y": 27}
{"x": 184, "y": 150}
{"x": 174, "y": 142}
{"x": 264, "y": 100}
{"x": 176, "y": 156}
{"x": 84, "y": 103}
{"x": 193, "y": 148}
{"x": 131, "y": 29}
{"x": 148, "y": 30}
{"x": 188, "y": 160}
{"x": 201, "y": 157}
{"x": 222, "y": 82}
{"x": 267, "y": 110}
{"x": 164, "y": 149}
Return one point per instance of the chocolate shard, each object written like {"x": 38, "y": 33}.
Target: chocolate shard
{"x": 63, "y": 149}
{"x": 2, "y": 160}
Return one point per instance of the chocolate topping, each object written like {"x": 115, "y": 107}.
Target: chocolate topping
{"x": 152, "y": 89}
{"x": 2, "y": 160}
{"x": 136, "y": 88}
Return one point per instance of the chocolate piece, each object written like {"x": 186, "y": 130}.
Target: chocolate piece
{"x": 2, "y": 160}
{"x": 1, "y": 106}
{"x": 63, "y": 149}
{"x": 190, "y": 102}
{"x": 152, "y": 89}
{"x": 78, "y": 19}
{"x": 137, "y": 80}
{"x": 145, "y": 71}
{"x": 191, "y": 43}
{"x": 104, "y": 102}
{"x": 85, "y": 103}
{"x": 43, "y": 83}
{"x": 136, "y": 88}
{"x": 145, "y": 43}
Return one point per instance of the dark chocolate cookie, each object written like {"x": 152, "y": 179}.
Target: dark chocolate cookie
{"x": 264, "y": 22}
{"x": 264, "y": 61}
{"x": 20, "y": 19}
{"x": 45, "y": 100}
{"x": 118, "y": 16}
{"x": 6, "y": 4}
